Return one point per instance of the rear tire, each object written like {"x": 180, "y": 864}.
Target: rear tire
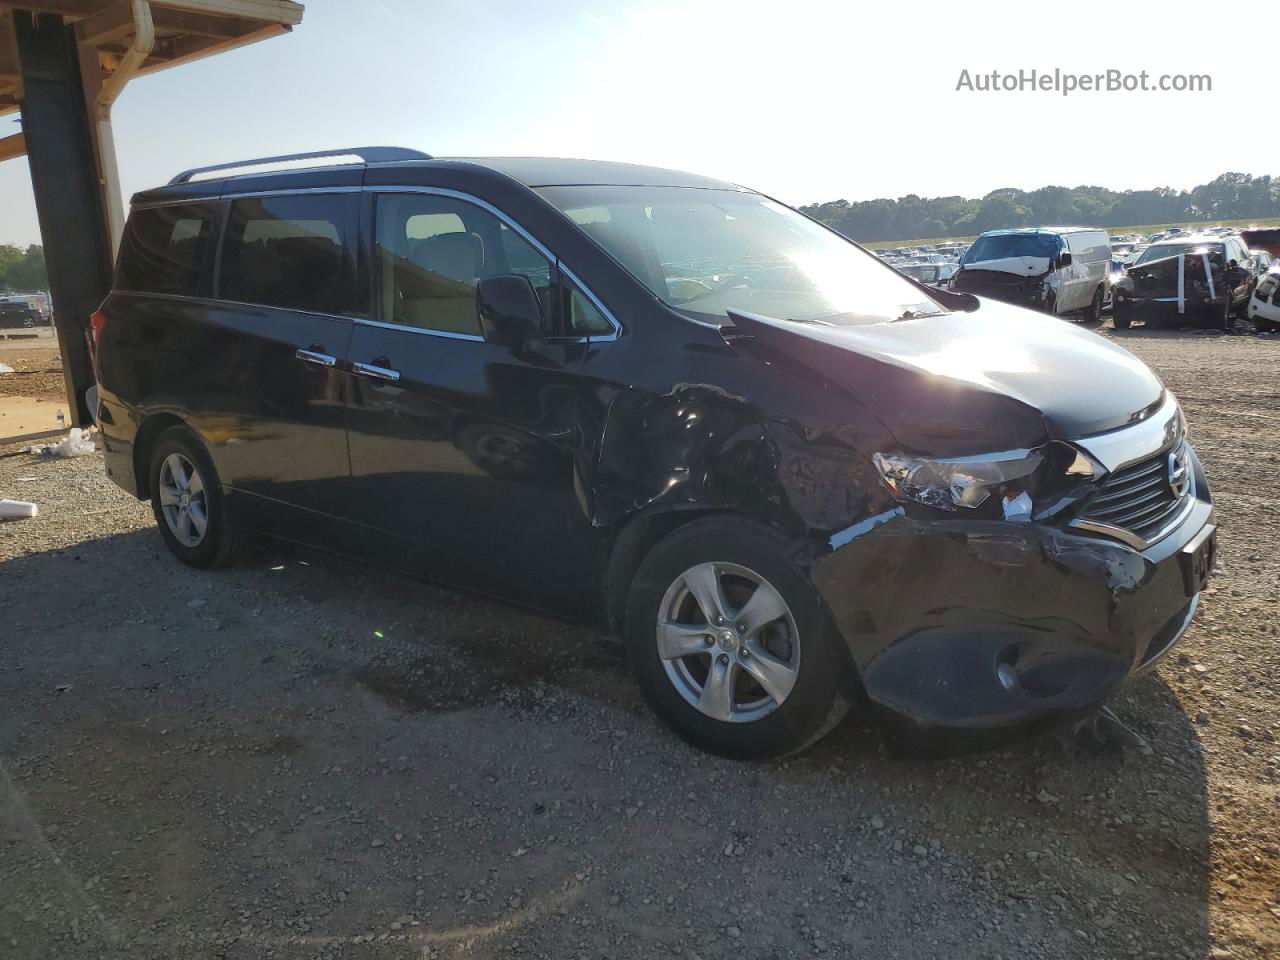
{"x": 188, "y": 502}
{"x": 1094, "y": 311}
{"x": 756, "y": 686}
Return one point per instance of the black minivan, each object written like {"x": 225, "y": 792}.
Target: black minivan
{"x": 790, "y": 477}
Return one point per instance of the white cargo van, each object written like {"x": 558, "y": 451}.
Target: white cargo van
{"x": 1060, "y": 270}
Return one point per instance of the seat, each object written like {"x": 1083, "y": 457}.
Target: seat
{"x": 437, "y": 283}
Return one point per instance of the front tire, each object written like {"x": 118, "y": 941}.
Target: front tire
{"x": 188, "y": 502}
{"x": 731, "y": 644}
{"x": 1121, "y": 314}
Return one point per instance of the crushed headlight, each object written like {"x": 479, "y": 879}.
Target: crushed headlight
{"x": 961, "y": 482}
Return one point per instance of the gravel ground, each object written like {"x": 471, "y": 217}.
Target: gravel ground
{"x": 303, "y": 758}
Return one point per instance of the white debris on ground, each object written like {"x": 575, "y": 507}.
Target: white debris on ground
{"x": 18, "y": 510}
{"x": 77, "y": 443}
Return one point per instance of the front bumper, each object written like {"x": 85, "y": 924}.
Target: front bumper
{"x": 968, "y": 634}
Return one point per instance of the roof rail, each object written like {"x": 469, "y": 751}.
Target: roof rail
{"x": 367, "y": 154}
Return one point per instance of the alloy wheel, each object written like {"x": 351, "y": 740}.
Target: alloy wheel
{"x": 183, "y": 500}
{"x": 728, "y": 642}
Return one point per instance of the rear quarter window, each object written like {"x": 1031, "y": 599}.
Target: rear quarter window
{"x": 166, "y": 249}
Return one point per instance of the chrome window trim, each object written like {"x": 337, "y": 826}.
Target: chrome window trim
{"x": 238, "y": 195}
{"x": 425, "y": 331}
{"x": 187, "y": 201}
{"x": 532, "y": 240}
{"x": 597, "y": 338}
{"x": 1117, "y": 449}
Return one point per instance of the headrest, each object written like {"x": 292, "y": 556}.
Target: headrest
{"x": 455, "y": 255}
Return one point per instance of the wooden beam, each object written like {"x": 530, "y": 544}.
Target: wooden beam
{"x": 170, "y": 20}
{"x": 67, "y": 8}
{"x": 10, "y": 65}
{"x": 13, "y": 146}
{"x": 284, "y": 12}
{"x": 107, "y": 25}
{"x": 175, "y": 50}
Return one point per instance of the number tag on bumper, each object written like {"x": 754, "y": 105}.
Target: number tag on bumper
{"x": 1197, "y": 559}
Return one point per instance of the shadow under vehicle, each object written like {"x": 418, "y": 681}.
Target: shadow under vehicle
{"x": 790, "y": 477}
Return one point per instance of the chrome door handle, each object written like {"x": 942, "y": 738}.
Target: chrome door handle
{"x": 378, "y": 373}
{"x": 311, "y": 356}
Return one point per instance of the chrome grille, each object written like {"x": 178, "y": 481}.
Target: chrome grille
{"x": 1139, "y": 498}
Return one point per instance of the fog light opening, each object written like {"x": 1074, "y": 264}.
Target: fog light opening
{"x": 1008, "y": 677}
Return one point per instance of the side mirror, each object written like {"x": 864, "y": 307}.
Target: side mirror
{"x": 1064, "y": 259}
{"x": 509, "y": 310}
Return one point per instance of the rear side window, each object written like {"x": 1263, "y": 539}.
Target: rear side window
{"x": 164, "y": 249}
{"x": 295, "y": 252}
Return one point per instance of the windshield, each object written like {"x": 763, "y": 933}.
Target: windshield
{"x": 1000, "y": 246}
{"x": 1162, "y": 250}
{"x": 707, "y": 251}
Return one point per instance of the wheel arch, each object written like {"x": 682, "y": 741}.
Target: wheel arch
{"x": 644, "y": 530}
{"x": 637, "y": 535}
{"x": 144, "y": 442}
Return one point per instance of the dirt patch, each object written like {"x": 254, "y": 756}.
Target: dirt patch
{"x": 37, "y": 371}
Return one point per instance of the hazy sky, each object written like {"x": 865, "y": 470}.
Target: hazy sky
{"x": 804, "y": 100}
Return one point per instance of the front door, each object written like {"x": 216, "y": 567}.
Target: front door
{"x": 463, "y": 451}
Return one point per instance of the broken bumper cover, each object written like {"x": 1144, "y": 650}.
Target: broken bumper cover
{"x": 1032, "y": 293}
{"x": 968, "y": 634}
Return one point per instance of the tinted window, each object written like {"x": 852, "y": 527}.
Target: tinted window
{"x": 164, "y": 249}
{"x": 585, "y": 318}
{"x": 293, "y": 252}
{"x": 430, "y": 253}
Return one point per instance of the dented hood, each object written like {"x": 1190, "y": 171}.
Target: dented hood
{"x": 963, "y": 382}
{"x": 1018, "y": 266}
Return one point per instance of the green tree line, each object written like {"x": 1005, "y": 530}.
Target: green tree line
{"x": 1232, "y": 196}
{"x": 22, "y": 271}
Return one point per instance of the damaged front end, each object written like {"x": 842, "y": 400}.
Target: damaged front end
{"x": 986, "y": 604}
{"x": 986, "y": 596}
{"x": 1190, "y": 288}
{"x": 1028, "y": 282}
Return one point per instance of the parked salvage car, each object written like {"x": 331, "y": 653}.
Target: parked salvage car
{"x": 19, "y": 312}
{"x": 1060, "y": 270}
{"x": 1199, "y": 280}
{"x": 1264, "y": 305}
{"x": 791, "y": 478}
{"x": 933, "y": 274}
{"x": 1262, "y": 238}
